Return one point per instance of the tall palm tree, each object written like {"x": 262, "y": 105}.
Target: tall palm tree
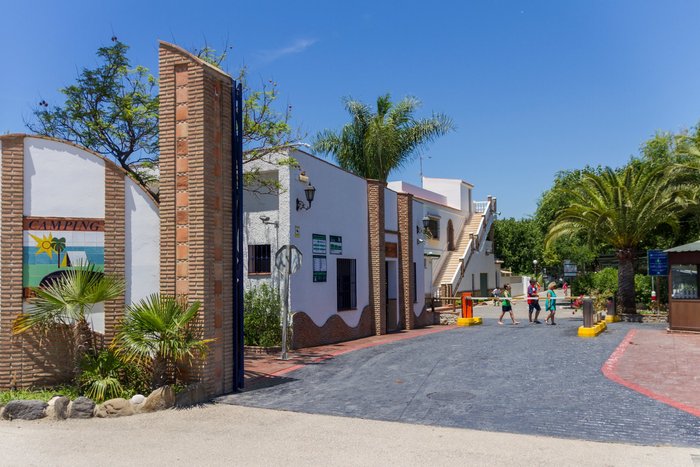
{"x": 68, "y": 300}
{"x": 375, "y": 143}
{"x": 160, "y": 331}
{"x": 621, "y": 208}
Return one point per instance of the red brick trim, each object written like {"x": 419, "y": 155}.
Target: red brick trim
{"x": 406, "y": 291}
{"x": 377, "y": 253}
{"x": 114, "y": 243}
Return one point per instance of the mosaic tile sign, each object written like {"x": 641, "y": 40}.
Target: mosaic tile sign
{"x": 52, "y": 246}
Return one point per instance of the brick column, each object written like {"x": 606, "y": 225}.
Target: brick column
{"x": 11, "y": 234}
{"x": 406, "y": 239}
{"x": 377, "y": 254}
{"x": 195, "y": 199}
{"x": 115, "y": 242}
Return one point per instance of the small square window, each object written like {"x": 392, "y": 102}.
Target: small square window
{"x": 259, "y": 259}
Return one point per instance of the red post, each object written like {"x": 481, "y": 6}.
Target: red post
{"x": 467, "y": 305}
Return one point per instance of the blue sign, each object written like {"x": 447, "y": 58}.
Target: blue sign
{"x": 658, "y": 262}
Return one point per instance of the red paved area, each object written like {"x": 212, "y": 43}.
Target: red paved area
{"x": 661, "y": 365}
{"x": 262, "y": 370}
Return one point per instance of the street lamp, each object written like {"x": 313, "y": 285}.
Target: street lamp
{"x": 534, "y": 264}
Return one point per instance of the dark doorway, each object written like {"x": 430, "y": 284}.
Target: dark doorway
{"x": 450, "y": 236}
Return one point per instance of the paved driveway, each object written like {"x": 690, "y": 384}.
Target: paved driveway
{"x": 533, "y": 379}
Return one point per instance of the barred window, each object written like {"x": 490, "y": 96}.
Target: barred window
{"x": 259, "y": 259}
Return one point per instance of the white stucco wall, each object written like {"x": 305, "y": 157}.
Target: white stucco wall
{"x": 52, "y": 168}
{"x": 142, "y": 268}
{"x": 479, "y": 263}
{"x": 339, "y": 208}
{"x": 391, "y": 215}
{"x": 452, "y": 189}
{"x": 62, "y": 180}
{"x": 439, "y": 246}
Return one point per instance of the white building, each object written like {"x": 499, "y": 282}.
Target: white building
{"x": 367, "y": 264}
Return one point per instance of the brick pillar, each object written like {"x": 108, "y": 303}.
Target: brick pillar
{"x": 377, "y": 254}
{"x": 11, "y": 234}
{"x": 115, "y": 242}
{"x": 406, "y": 239}
{"x": 196, "y": 202}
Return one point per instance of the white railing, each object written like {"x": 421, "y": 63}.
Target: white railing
{"x": 477, "y": 242}
{"x": 480, "y": 206}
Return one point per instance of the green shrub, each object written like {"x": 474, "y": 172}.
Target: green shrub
{"x": 605, "y": 281}
{"x": 261, "y": 319}
{"x": 103, "y": 375}
{"x": 581, "y": 284}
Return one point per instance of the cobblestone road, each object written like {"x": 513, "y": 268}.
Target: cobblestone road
{"x": 533, "y": 379}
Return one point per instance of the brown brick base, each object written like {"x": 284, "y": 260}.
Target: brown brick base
{"x": 307, "y": 334}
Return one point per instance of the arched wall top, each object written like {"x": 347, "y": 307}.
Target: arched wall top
{"x": 109, "y": 164}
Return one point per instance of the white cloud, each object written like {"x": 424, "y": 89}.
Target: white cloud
{"x": 298, "y": 46}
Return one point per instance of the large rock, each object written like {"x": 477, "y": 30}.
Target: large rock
{"x": 57, "y": 408}
{"x": 24, "y": 410}
{"x": 82, "y": 407}
{"x": 160, "y": 399}
{"x": 193, "y": 394}
{"x": 114, "y": 408}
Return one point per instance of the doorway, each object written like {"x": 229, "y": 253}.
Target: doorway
{"x": 450, "y": 236}
{"x": 393, "y": 323}
{"x": 484, "y": 284}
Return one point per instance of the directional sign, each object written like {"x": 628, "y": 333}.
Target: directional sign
{"x": 658, "y": 262}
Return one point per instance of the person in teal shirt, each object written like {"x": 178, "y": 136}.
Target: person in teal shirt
{"x": 550, "y": 304}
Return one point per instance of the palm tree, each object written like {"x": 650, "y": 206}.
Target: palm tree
{"x": 159, "y": 331}
{"x": 375, "y": 143}
{"x": 58, "y": 245}
{"x": 68, "y": 300}
{"x": 621, "y": 208}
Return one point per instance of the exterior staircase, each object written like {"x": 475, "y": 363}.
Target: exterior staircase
{"x": 469, "y": 240}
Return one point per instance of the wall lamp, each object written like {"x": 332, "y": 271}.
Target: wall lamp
{"x": 426, "y": 222}
{"x": 266, "y": 220}
{"x": 309, "y": 191}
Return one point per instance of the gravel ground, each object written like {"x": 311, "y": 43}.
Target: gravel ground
{"x": 225, "y": 435}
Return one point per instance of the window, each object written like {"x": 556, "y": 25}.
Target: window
{"x": 259, "y": 259}
{"x": 433, "y": 228}
{"x": 347, "y": 285}
{"x": 684, "y": 279}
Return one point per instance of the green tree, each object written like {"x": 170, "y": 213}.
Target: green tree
{"x": 621, "y": 208}
{"x": 160, "y": 331}
{"x": 376, "y": 142}
{"x": 517, "y": 243}
{"x": 111, "y": 109}
{"x": 68, "y": 301}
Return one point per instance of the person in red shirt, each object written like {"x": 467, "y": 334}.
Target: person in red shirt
{"x": 533, "y": 302}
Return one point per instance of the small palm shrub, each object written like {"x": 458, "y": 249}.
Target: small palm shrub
{"x": 261, "y": 318}
{"x": 159, "y": 333}
{"x": 103, "y": 375}
{"x": 67, "y": 301}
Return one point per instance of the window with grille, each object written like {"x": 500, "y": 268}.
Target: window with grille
{"x": 347, "y": 284}
{"x": 434, "y": 228}
{"x": 259, "y": 259}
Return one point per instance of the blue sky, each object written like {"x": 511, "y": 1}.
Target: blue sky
{"x": 534, "y": 87}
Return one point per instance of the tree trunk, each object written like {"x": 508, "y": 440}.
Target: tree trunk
{"x": 625, "y": 280}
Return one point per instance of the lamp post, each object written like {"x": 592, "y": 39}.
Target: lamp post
{"x": 534, "y": 264}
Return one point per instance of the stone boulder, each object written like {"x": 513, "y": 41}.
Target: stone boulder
{"x": 160, "y": 399}
{"x": 82, "y": 407}
{"x": 57, "y": 408}
{"x": 114, "y": 408}
{"x": 193, "y": 394}
{"x": 24, "y": 410}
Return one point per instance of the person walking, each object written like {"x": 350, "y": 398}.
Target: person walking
{"x": 533, "y": 302}
{"x": 550, "y": 304}
{"x": 506, "y": 305}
